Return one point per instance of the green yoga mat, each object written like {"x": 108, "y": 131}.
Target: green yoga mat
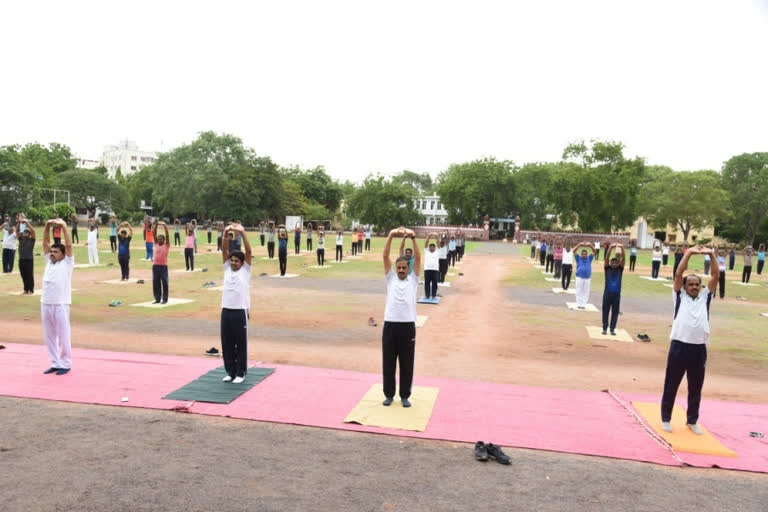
{"x": 210, "y": 388}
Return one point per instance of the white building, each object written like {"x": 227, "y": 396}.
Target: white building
{"x": 84, "y": 163}
{"x": 127, "y": 157}
{"x": 432, "y": 209}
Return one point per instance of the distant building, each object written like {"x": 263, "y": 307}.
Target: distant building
{"x": 432, "y": 209}
{"x": 83, "y": 163}
{"x": 127, "y": 157}
{"x": 645, "y": 235}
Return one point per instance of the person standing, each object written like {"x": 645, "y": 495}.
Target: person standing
{"x": 760, "y": 258}
{"x": 534, "y": 246}
{"x": 442, "y": 252}
{"x": 398, "y": 339}
{"x": 431, "y": 266}
{"x": 721, "y": 267}
{"x": 746, "y": 273}
{"x": 177, "y": 234}
{"x": 149, "y": 242}
{"x": 689, "y": 338}
{"x": 309, "y": 236}
{"x": 632, "y": 255}
{"x": 354, "y": 241}
{"x": 262, "y": 232}
{"x": 57, "y": 298}
{"x": 209, "y": 230}
{"x": 189, "y": 249}
{"x": 678, "y": 258}
{"x": 75, "y": 237}
{"x": 9, "y": 245}
{"x": 583, "y": 273}
{"x": 550, "y": 260}
{"x": 460, "y": 243}
{"x": 271, "y": 241}
{"x": 707, "y": 263}
{"x": 26, "y": 255}
{"x": 557, "y": 258}
{"x": 194, "y": 228}
{"x": 282, "y": 248}
{"x": 113, "y": 233}
{"x": 732, "y": 257}
{"x": 368, "y": 229}
{"x": 565, "y": 279}
{"x": 452, "y": 251}
{"x": 297, "y": 239}
{"x": 664, "y": 253}
{"x": 321, "y": 247}
{"x": 57, "y": 233}
{"x": 124, "y": 250}
{"x": 160, "y": 264}
{"x": 542, "y": 251}
{"x": 339, "y": 245}
{"x": 596, "y": 252}
{"x": 235, "y": 304}
{"x": 614, "y": 269}
{"x": 656, "y": 257}
{"x": 93, "y": 242}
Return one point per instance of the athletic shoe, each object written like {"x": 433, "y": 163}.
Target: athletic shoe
{"x": 227, "y": 378}
{"x": 164, "y": 302}
{"x": 605, "y": 332}
{"x": 213, "y": 351}
{"x": 613, "y": 333}
{"x": 238, "y": 380}
{"x": 405, "y": 402}
{"x": 695, "y": 429}
{"x": 495, "y": 452}
{"x": 666, "y": 426}
{"x": 387, "y": 402}
{"x": 481, "y": 452}
{"x": 50, "y": 371}
{"x": 156, "y": 302}
{"x": 62, "y": 371}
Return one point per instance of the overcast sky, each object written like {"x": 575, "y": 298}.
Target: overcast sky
{"x": 365, "y": 87}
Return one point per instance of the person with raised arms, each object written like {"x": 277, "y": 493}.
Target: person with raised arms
{"x": 368, "y": 231}
{"x": 160, "y": 264}
{"x": 567, "y": 270}
{"x": 664, "y": 253}
{"x": 93, "y": 242}
{"x": 26, "y": 254}
{"x": 282, "y": 248}
{"x": 656, "y": 255}
{"x": 339, "y": 245}
{"x": 57, "y": 298}
{"x": 177, "y": 234}
{"x": 407, "y": 252}
{"x": 297, "y": 239}
{"x": 262, "y": 232}
{"x": 746, "y": 272}
{"x": 75, "y": 236}
{"x": 113, "y": 233}
{"x": 124, "y": 249}
{"x": 9, "y": 245}
{"x": 760, "y": 258}
{"x": 460, "y": 242}
{"x": 309, "y": 236}
{"x": 190, "y": 242}
{"x": 721, "y": 266}
{"x": 442, "y": 252}
{"x": 583, "y": 273}
{"x": 732, "y": 257}
{"x": 596, "y": 252}
{"x": 689, "y": 337}
{"x": 431, "y": 266}
{"x": 354, "y": 241}
{"x": 614, "y": 270}
{"x": 679, "y": 251}
{"x": 209, "y": 230}
{"x": 271, "y": 240}
{"x": 452, "y": 251}
{"x": 149, "y": 241}
{"x": 235, "y": 304}
{"x": 632, "y": 255}
{"x": 542, "y": 252}
{"x": 398, "y": 339}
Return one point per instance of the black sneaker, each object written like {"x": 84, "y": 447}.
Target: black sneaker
{"x": 387, "y": 402}
{"x": 605, "y": 332}
{"x": 495, "y": 452}
{"x": 481, "y": 452}
{"x": 62, "y": 371}
{"x": 156, "y": 302}
{"x": 405, "y": 402}
{"x": 213, "y": 351}
{"x": 50, "y": 371}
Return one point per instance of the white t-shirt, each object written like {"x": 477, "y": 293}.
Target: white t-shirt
{"x": 9, "y": 239}
{"x": 691, "y": 323}
{"x": 57, "y": 280}
{"x": 92, "y": 240}
{"x": 236, "y": 293}
{"x": 339, "y": 240}
{"x": 665, "y": 250}
{"x": 401, "y": 298}
{"x": 321, "y": 242}
{"x": 656, "y": 255}
{"x": 431, "y": 260}
{"x": 443, "y": 252}
{"x": 597, "y": 245}
{"x": 567, "y": 257}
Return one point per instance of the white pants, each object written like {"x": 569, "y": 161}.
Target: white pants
{"x": 582, "y": 291}
{"x": 93, "y": 254}
{"x": 56, "y": 331}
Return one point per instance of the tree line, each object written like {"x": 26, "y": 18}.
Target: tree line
{"x": 594, "y": 186}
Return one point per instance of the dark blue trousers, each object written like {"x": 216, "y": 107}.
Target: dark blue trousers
{"x": 684, "y": 358}
{"x": 611, "y": 302}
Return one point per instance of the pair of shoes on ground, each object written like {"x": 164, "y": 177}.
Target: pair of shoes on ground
{"x": 236, "y": 380}
{"x": 483, "y": 452}
{"x": 57, "y": 371}
{"x": 388, "y": 401}
{"x": 605, "y": 331}
{"x": 667, "y": 427}
{"x": 160, "y": 301}
{"x": 115, "y": 303}
{"x": 371, "y": 322}
{"x": 209, "y": 284}
{"x": 644, "y": 337}
{"x": 213, "y": 351}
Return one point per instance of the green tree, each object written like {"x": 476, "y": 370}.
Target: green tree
{"x": 604, "y": 186}
{"x": 316, "y": 185}
{"x": 746, "y": 177}
{"x": 471, "y": 190}
{"x": 421, "y": 183}
{"x": 17, "y": 181}
{"x": 687, "y": 200}
{"x": 47, "y": 162}
{"x": 90, "y": 190}
{"x": 384, "y": 204}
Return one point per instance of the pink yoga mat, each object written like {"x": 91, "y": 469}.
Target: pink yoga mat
{"x": 590, "y": 423}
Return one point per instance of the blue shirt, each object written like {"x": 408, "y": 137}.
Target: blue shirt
{"x": 760, "y": 256}
{"x": 543, "y": 247}
{"x": 112, "y": 229}
{"x": 124, "y": 246}
{"x": 613, "y": 279}
{"x": 282, "y": 243}
{"x": 584, "y": 266}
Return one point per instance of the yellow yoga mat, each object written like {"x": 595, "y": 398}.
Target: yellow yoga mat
{"x": 369, "y": 410}
{"x": 682, "y": 439}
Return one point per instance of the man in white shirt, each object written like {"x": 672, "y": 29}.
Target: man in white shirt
{"x": 93, "y": 242}
{"x": 56, "y": 298}
{"x": 398, "y": 339}
{"x": 9, "y": 245}
{"x": 235, "y": 304}
{"x": 689, "y": 337}
{"x": 431, "y": 267}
